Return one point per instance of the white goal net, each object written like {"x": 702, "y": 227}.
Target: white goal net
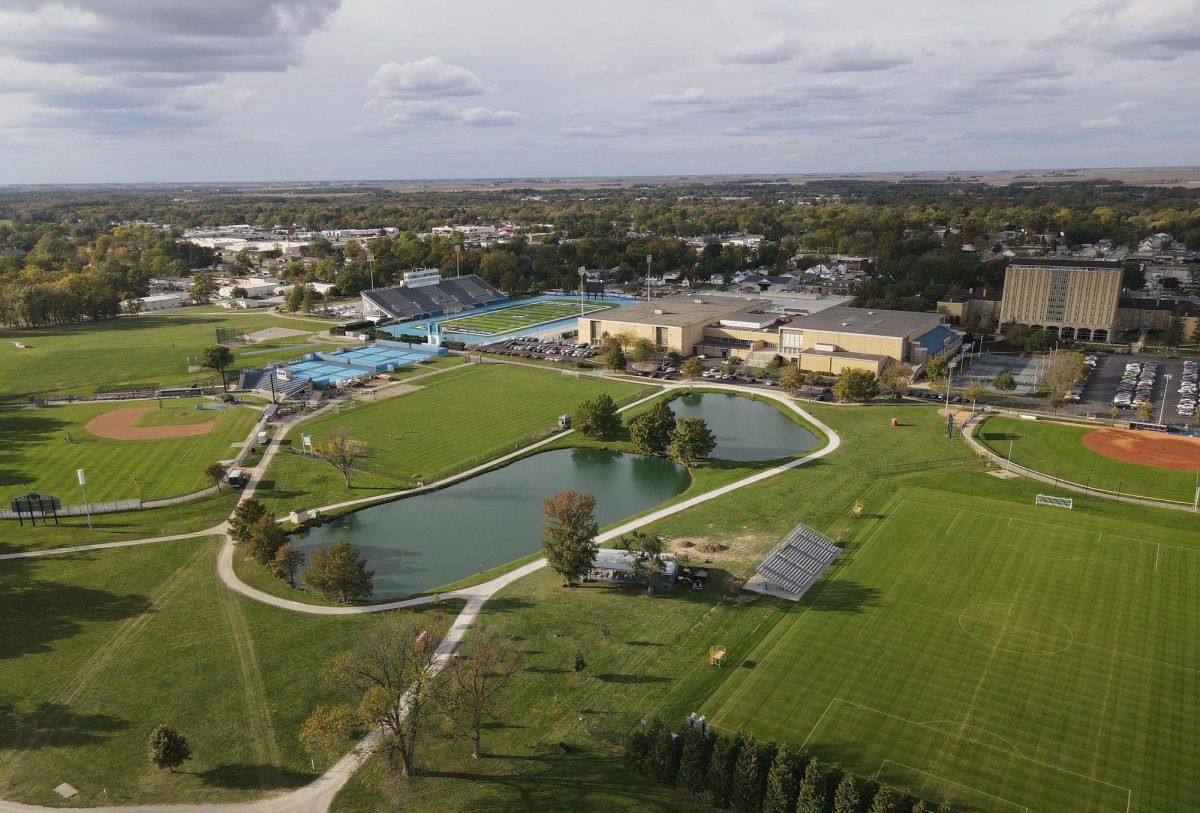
{"x": 1057, "y": 502}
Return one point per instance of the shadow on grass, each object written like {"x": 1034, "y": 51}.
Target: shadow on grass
{"x": 246, "y": 776}
{"x": 54, "y": 724}
{"x": 609, "y": 677}
{"x": 843, "y": 597}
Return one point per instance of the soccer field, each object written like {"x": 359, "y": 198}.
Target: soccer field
{"x": 993, "y": 654}
{"x": 520, "y": 317}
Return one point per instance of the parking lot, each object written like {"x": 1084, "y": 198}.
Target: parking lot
{"x": 531, "y": 347}
{"x": 1102, "y": 386}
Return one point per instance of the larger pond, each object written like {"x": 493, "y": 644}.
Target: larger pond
{"x": 433, "y": 539}
{"x": 746, "y": 429}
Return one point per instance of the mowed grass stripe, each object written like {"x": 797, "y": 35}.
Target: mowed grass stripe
{"x": 36, "y": 456}
{"x": 456, "y": 420}
{"x": 1060, "y": 678}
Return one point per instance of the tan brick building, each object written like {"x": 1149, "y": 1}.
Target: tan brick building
{"x": 1074, "y": 299}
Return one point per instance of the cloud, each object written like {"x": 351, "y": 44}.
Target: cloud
{"x": 770, "y": 51}
{"x": 614, "y": 129}
{"x": 1104, "y": 122}
{"x": 854, "y": 58}
{"x": 85, "y": 63}
{"x": 1163, "y": 31}
{"x": 483, "y": 117}
{"x": 428, "y": 77}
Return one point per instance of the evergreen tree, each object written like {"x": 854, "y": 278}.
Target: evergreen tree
{"x": 244, "y": 517}
{"x": 615, "y": 358}
{"x": 665, "y": 756}
{"x": 636, "y": 747}
{"x": 597, "y": 418}
{"x": 921, "y": 807}
{"x": 780, "y": 796}
{"x": 647, "y": 765}
{"x": 847, "y": 798}
{"x": 718, "y": 781}
{"x": 266, "y": 538}
{"x": 693, "y": 762}
{"x": 746, "y": 795}
{"x": 887, "y": 800}
{"x": 810, "y": 797}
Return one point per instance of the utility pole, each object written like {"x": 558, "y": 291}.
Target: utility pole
{"x": 87, "y": 506}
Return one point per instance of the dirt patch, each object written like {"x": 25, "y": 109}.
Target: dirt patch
{"x": 118, "y": 424}
{"x": 266, "y": 334}
{"x": 1152, "y": 449}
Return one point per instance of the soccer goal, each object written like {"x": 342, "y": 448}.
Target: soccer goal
{"x": 1058, "y": 502}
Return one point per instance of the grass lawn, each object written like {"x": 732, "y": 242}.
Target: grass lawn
{"x": 35, "y": 456}
{"x": 102, "y": 647}
{"x": 967, "y": 645}
{"x": 176, "y": 519}
{"x": 1057, "y": 450}
{"x": 150, "y": 348}
{"x": 456, "y": 420}
{"x": 520, "y": 317}
{"x": 422, "y": 367}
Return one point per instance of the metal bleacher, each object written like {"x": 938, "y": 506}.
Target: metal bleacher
{"x": 797, "y": 561}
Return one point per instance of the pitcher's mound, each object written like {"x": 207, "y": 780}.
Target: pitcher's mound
{"x": 119, "y": 425}
{"x": 1153, "y": 449}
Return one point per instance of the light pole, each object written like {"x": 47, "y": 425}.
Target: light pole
{"x": 949, "y": 417}
{"x": 1166, "y": 389}
{"x": 582, "y": 275}
{"x": 649, "y": 257}
{"x": 87, "y": 506}
{"x": 457, "y": 262}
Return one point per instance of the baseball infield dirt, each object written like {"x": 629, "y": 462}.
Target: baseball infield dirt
{"x": 118, "y": 425}
{"x": 1145, "y": 448}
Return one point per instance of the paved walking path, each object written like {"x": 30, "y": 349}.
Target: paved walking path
{"x": 216, "y": 530}
{"x": 317, "y": 796}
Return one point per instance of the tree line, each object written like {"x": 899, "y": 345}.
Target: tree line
{"x": 744, "y": 775}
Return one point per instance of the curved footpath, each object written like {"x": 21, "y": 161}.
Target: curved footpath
{"x": 968, "y": 435}
{"x": 317, "y": 796}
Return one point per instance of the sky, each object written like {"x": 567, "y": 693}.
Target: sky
{"x": 275, "y": 90}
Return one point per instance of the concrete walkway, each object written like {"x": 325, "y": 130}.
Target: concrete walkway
{"x": 216, "y": 530}
{"x": 317, "y": 796}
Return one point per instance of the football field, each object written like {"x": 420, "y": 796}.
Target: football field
{"x": 994, "y": 655}
{"x": 520, "y": 317}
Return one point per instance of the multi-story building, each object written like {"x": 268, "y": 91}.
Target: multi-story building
{"x": 1073, "y": 299}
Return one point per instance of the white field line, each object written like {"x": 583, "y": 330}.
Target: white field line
{"x": 948, "y": 782}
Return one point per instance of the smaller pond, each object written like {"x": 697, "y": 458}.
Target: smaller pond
{"x": 433, "y": 539}
{"x": 746, "y": 429}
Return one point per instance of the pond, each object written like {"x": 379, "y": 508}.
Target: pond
{"x": 746, "y": 429}
{"x": 429, "y": 540}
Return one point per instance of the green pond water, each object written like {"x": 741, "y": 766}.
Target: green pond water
{"x": 430, "y": 540}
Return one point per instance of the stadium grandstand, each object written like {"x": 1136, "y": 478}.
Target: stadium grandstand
{"x": 793, "y": 565}
{"x": 424, "y": 294}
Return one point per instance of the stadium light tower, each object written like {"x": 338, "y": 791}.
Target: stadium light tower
{"x": 649, "y": 257}
{"x": 87, "y": 506}
{"x": 457, "y": 263}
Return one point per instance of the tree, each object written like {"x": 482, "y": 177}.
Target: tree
{"x": 614, "y": 359}
{"x": 1062, "y": 374}
{"x": 936, "y": 367}
{"x": 308, "y": 299}
{"x": 295, "y": 297}
{"x": 476, "y": 681}
{"x": 266, "y": 538}
{"x": 673, "y": 359}
{"x": 692, "y": 369}
{"x": 974, "y": 392}
{"x": 792, "y": 380}
{"x": 1173, "y": 335}
{"x": 746, "y": 793}
{"x": 810, "y": 796}
{"x": 718, "y": 783}
{"x": 643, "y": 349}
{"x": 339, "y": 574}
{"x": 217, "y": 357}
{"x": 691, "y": 441}
{"x": 132, "y": 305}
{"x": 856, "y": 385}
{"x": 168, "y": 748}
{"x": 1146, "y": 412}
{"x": 1196, "y": 333}
{"x": 238, "y": 292}
{"x": 341, "y": 452}
{"x": 896, "y": 378}
{"x": 649, "y": 563}
{"x": 203, "y": 287}
{"x": 650, "y": 432}
{"x": 569, "y": 538}
{"x": 598, "y": 418}
{"x": 887, "y": 800}
{"x": 1016, "y": 334}
{"x": 781, "y": 784}
{"x": 1040, "y": 340}
{"x": 244, "y": 517}
{"x": 1004, "y": 381}
{"x": 392, "y": 677}
{"x": 288, "y": 559}
{"x": 693, "y": 761}
{"x": 664, "y": 756}
{"x": 216, "y": 473}
{"x": 847, "y": 798}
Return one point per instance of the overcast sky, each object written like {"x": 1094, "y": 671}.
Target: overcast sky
{"x": 223, "y": 90}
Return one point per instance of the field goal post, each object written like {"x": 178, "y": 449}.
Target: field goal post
{"x": 1057, "y": 502}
